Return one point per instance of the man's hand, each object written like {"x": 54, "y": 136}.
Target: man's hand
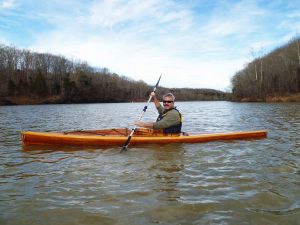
{"x": 142, "y": 124}
{"x": 156, "y": 102}
{"x": 138, "y": 123}
{"x": 152, "y": 94}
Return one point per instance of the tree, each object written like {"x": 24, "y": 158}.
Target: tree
{"x": 276, "y": 73}
{"x": 39, "y": 85}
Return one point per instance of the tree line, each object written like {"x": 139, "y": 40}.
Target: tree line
{"x": 274, "y": 74}
{"x": 32, "y": 74}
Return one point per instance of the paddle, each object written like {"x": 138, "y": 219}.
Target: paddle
{"x": 144, "y": 110}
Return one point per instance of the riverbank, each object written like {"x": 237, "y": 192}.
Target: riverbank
{"x": 56, "y": 99}
{"x": 274, "y": 98}
{"x": 33, "y": 100}
{"x": 53, "y": 99}
{"x": 286, "y": 98}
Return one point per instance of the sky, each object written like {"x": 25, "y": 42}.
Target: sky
{"x": 192, "y": 43}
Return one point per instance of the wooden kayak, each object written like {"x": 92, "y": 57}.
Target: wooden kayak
{"x": 118, "y": 137}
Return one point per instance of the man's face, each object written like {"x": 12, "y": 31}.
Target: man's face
{"x": 168, "y": 102}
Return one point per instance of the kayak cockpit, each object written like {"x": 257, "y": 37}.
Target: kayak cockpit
{"x": 140, "y": 132}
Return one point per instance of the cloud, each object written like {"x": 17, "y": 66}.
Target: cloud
{"x": 120, "y": 14}
{"x": 143, "y": 39}
{"x": 192, "y": 44}
{"x": 7, "y": 4}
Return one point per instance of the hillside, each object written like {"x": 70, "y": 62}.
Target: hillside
{"x": 273, "y": 77}
{"x": 40, "y": 78}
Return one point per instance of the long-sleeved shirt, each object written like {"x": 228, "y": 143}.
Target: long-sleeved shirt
{"x": 171, "y": 118}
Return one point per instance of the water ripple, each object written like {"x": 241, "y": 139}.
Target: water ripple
{"x": 226, "y": 182}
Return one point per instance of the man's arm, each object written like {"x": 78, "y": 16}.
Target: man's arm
{"x": 156, "y": 102}
{"x": 144, "y": 124}
{"x": 172, "y": 118}
{"x": 149, "y": 124}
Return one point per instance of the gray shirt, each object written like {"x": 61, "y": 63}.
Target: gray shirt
{"x": 170, "y": 118}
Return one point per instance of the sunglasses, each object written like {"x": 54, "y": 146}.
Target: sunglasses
{"x": 168, "y": 102}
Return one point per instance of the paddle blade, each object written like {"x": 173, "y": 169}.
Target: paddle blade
{"x": 124, "y": 148}
{"x": 126, "y": 143}
{"x": 157, "y": 83}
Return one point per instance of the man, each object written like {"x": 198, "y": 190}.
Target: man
{"x": 169, "y": 119}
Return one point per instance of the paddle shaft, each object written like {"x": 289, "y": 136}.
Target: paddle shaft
{"x": 144, "y": 110}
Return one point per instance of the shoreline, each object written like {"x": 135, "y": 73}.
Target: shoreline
{"x": 34, "y": 100}
{"x": 275, "y": 98}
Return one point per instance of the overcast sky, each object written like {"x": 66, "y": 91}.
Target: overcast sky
{"x": 193, "y": 43}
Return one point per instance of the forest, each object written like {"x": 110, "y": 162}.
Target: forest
{"x": 270, "y": 76}
{"x": 37, "y": 78}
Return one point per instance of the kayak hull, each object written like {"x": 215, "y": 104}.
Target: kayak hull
{"x": 117, "y": 137}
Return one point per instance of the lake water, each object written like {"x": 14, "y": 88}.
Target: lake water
{"x": 225, "y": 182}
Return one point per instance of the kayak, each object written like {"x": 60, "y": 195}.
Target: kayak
{"x": 118, "y": 136}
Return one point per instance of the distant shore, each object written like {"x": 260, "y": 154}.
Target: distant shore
{"x": 275, "y": 98}
{"x": 288, "y": 98}
{"x": 34, "y": 100}
{"x": 26, "y": 100}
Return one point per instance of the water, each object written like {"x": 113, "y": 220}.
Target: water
{"x": 228, "y": 182}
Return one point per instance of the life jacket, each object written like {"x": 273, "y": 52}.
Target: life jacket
{"x": 172, "y": 129}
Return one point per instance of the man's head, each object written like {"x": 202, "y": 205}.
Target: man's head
{"x": 168, "y": 101}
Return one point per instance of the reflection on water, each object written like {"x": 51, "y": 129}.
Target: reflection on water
{"x": 231, "y": 182}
